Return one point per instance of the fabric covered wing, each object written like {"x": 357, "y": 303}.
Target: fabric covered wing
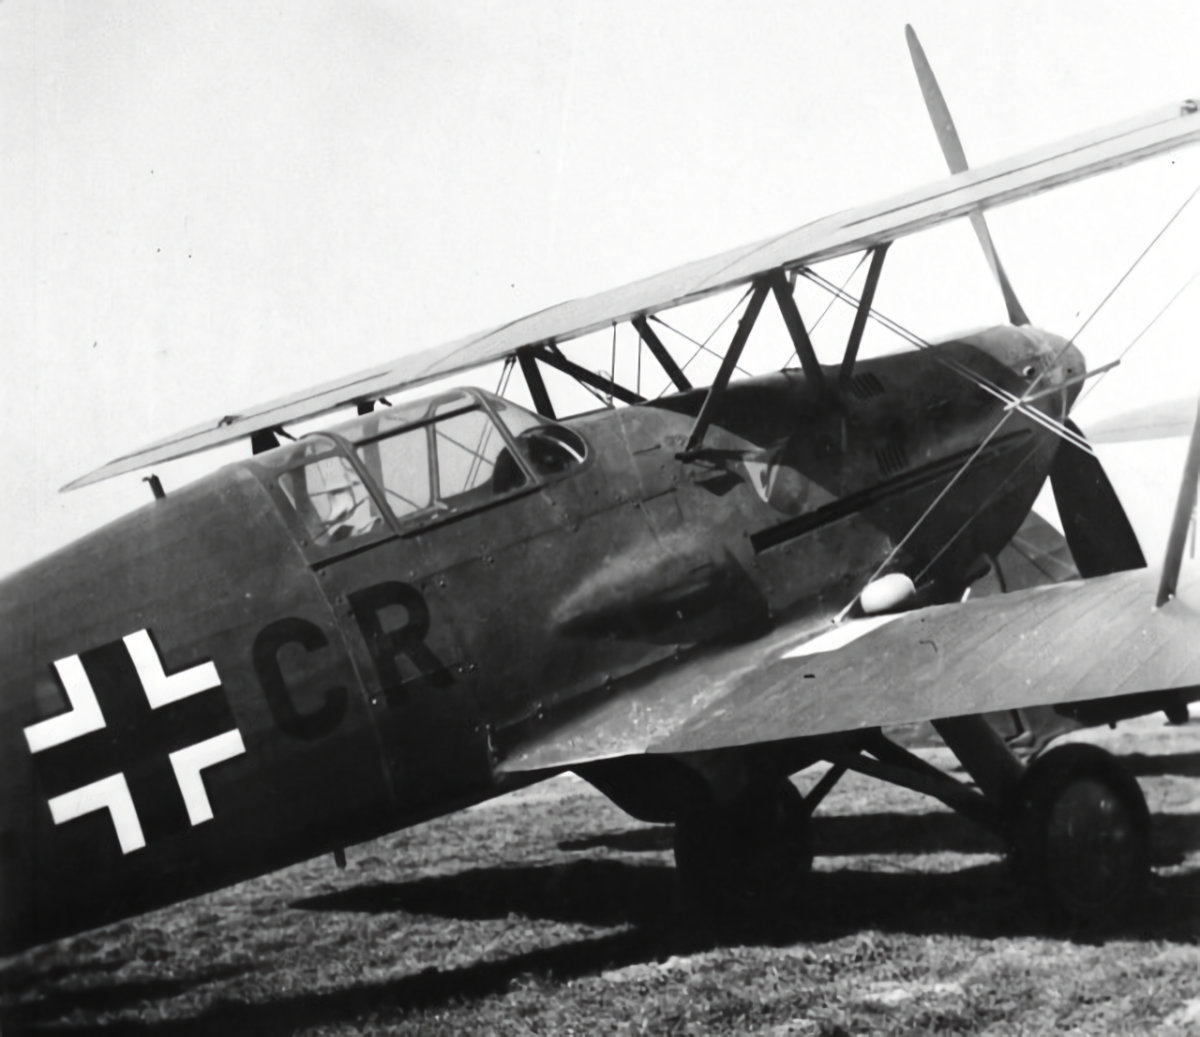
{"x": 1069, "y": 642}
{"x": 850, "y": 231}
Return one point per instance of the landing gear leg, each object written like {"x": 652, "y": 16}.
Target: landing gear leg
{"x": 1075, "y": 819}
{"x": 1080, "y": 835}
{"x": 749, "y": 857}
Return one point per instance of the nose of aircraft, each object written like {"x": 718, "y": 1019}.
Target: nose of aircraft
{"x": 1065, "y": 365}
{"x": 1077, "y": 368}
{"x": 1042, "y": 363}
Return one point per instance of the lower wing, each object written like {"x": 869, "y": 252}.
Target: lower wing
{"x": 1075, "y": 642}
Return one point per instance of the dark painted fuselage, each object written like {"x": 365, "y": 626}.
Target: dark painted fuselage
{"x": 209, "y": 688}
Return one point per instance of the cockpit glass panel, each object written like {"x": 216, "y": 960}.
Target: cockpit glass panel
{"x": 517, "y": 419}
{"x": 468, "y": 448}
{"x": 457, "y": 458}
{"x": 549, "y": 449}
{"x": 424, "y": 460}
{"x": 386, "y": 420}
{"x": 328, "y": 497}
{"x": 400, "y": 465}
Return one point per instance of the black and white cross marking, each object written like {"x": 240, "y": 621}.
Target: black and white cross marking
{"x": 131, "y": 726}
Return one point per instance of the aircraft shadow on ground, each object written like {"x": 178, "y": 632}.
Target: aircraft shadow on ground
{"x": 1145, "y": 765}
{"x": 655, "y": 922}
{"x": 430, "y": 988}
{"x": 833, "y": 836}
{"x": 25, "y": 1016}
{"x": 980, "y": 900}
{"x": 641, "y": 900}
{"x": 942, "y": 832}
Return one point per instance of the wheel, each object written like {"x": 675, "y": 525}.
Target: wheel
{"x": 748, "y": 858}
{"x": 1081, "y": 835}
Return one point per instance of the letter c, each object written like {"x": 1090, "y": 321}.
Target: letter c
{"x": 267, "y": 645}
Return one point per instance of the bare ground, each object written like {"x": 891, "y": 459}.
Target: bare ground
{"x": 551, "y": 912}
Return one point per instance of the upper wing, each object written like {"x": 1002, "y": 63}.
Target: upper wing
{"x": 850, "y": 231}
{"x": 1070, "y": 642}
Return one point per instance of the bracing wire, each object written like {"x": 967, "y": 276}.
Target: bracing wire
{"x": 613, "y": 363}
{"x": 505, "y": 374}
{"x": 1120, "y": 281}
{"x": 701, "y": 346}
{"x": 638, "y": 385}
{"x": 986, "y": 384}
{"x": 1009, "y": 410}
{"x": 1136, "y": 338}
{"x": 995, "y": 492}
{"x": 926, "y": 513}
{"x": 1133, "y": 266}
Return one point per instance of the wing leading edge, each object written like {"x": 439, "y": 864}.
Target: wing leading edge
{"x": 1010, "y": 651}
{"x": 850, "y": 231}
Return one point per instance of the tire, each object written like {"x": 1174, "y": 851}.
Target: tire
{"x": 1081, "y": 836}
{"x": 748, "y": 859}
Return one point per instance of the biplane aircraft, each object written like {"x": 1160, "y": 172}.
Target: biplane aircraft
{"x": 684, "y": 600}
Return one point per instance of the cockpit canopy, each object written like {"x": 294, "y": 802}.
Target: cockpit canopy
{"x": 409, "y": 465}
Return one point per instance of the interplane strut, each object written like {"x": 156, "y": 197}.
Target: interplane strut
{"x": 783, "y": 287}
{"x": 863, "y": 311}
{"x": 740, "y": 338}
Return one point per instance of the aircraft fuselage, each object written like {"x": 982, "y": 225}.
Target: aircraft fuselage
{"x": 322, "y": 643}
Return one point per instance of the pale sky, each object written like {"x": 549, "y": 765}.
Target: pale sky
{"x": 212, "y": 203}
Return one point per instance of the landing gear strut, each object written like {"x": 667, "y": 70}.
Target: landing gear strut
{"x": 749, "y": 857}
{"x": 1075, "y": 822}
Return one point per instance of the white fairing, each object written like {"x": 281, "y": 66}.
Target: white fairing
{"x": 887, "y": 593}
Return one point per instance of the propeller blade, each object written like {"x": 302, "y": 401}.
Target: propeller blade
{"x": 1156, "y": 421}
{"x": 1096, "y": 527}
{"x": 956, "y": 160}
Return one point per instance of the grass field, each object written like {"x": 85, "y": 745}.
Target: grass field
{"x": 551, "y": 912}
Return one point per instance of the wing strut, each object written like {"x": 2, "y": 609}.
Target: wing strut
{"x": 864, "y": 310}
{"x": 537, "y": 386}
{"x": 717, "y": 389}
{"x": 549, "y": 354}
{"x": 667, "y": 362}
{"x": 1184, "y": 506}
{"x": 782, "y": 287}
{"x": 263, "y": 440}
